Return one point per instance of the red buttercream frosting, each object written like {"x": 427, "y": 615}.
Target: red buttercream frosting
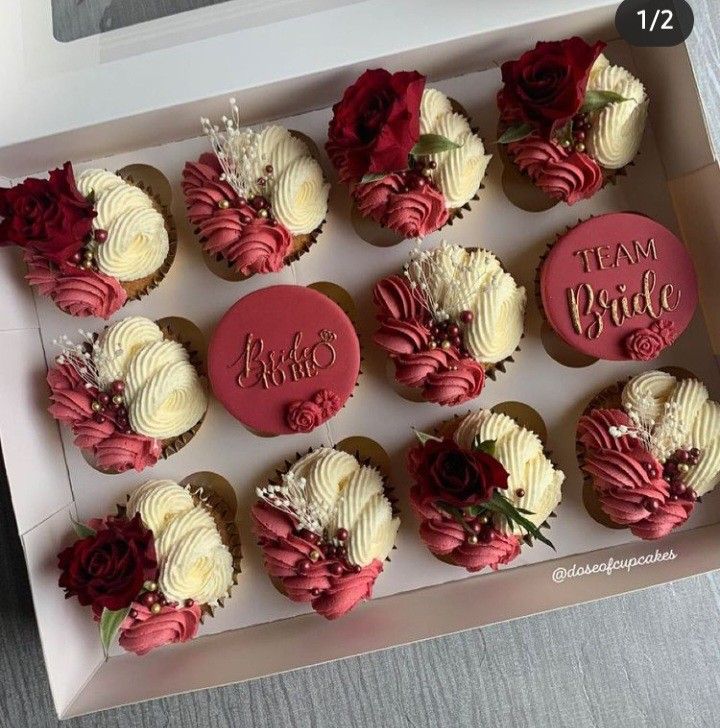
{"x": 250, "y": 243}
{"x": 75, "y": 290}
{"x": 619, "y": 286}
{"x": 279, "y": 348}
{"x": 446, "y": 376}
{"x": 448, "y": 539}
{"x": 283, "y": 548}
{"x": 563, "y": 174}
{"x": 628, "y": 479}
{"x": 413, "y": 213}
{"x": 147, "y": 631}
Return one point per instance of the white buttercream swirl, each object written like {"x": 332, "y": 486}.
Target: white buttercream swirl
{"x": 520, "y": 451}
{"x": 473, "y": 280}
{"x": 300, "y": 196}
{"x": 193, "y": 561}
{"x": 350, "y": 496}
{"x": 678, "y": 414}
{"x": 617, "y": 130}
{"x": 163, "y": 394}
{"x": 159, "y": 502}
{"x": 137, "y": 242}
{"x": 459, "y": 172}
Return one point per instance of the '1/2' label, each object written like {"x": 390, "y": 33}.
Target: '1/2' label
{"x": 655, "y": 23}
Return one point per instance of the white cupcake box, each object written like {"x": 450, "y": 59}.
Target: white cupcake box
{"x": 104, "y": 103}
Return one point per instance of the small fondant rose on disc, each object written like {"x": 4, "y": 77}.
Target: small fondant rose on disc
{"x": 618, "y": 286}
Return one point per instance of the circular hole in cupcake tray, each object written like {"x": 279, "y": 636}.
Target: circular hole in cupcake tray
{"x": 151, "y": 178}
{"x": 561, "y": 352}
{"x": 365, "y": 448}
{"x": 524, "y": 415}
{"x": 337, "y": 294}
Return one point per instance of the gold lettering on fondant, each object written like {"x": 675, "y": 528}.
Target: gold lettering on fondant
{"x": 601, "y": 257}
{"x": 276, "y": 367}
{"x": 584, "y": 302}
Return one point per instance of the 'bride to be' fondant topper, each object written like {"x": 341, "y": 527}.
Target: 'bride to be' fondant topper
{"x": 284, "y": 359}
{"x": 619, "y": 286}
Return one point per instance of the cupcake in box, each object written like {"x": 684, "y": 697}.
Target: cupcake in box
{"x": 650, "y": 449}
{"x": 619, "y": 286}
{"x": 90, "y": 243}
{"x": 453, "y": 319}
{"x": 258, "y": 200}
{"x": 284, "y": 360}
{"x": 569, "y": 119}
{"x": 150, "y": 573}
{"x": 483, "y": 486}
{"x": 412, "y": 162}
{"x": 326, "y": 527}
{"x": 132, "y": 394}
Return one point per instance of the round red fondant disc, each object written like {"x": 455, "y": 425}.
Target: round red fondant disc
{"x": 278, "y": 346}
{"x": 614, "y": 283}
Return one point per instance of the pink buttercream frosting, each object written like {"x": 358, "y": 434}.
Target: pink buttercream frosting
{"x": 283, "y": 548}
{"x": 70, "y": 402}
{"x": 395, "y": 300}
{"x": 448, "y": 539}
{"x": 125, "y": 451}
{"x": 400, "y": 337}
{"x": 563, "y": 174}
{"x": 147, "y": 631}
{"x": 237, "y": 233}
{"x": 75, "y": 290}
{"x": 203, "y": 188}
{"x": 412, "y": 213}
{"x": 461, "y": 382}
{"x": 412, "y": 370}
{"x": 627, "y": 478}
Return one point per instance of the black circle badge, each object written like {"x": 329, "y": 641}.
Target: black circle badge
{"x": 655, "y": 23}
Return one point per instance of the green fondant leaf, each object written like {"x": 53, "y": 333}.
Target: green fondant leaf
{"x": 81, "y": 529}
{"x": 516, "y": 133}
{"x": 596, "y": 100}
{"x": 486, "y": 446}
{"x": 110, "y": 622}
{"x": 432, "y": 144}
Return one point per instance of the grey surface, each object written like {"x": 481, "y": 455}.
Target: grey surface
{"x": 645, "y": 660}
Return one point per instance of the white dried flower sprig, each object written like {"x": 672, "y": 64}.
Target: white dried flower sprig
{"x": 83, "y": 357}
{"x": 239, "y": 151}
{"x": 290, "y": 497}
{"x": 661, "y": 437}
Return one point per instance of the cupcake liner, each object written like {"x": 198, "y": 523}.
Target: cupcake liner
{"x": 140, "y": 287}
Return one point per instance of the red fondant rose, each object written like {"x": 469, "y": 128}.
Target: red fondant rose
{"x": 376, "y": 124}
{"x": 546, "y": 86}
{"x": 328, "y": 402}
{"x": 644, "y": 344}
{"x": 304, "y": 416}
{"x": 146, "y": 631}
{"x": 448, "y": 473}
{"x": 107, "y": 570}
{"x": 49, "y": 216}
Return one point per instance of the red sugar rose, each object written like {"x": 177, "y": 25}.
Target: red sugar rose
{"x": 107, "y": 570}
{"x": 375, "y": 124}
